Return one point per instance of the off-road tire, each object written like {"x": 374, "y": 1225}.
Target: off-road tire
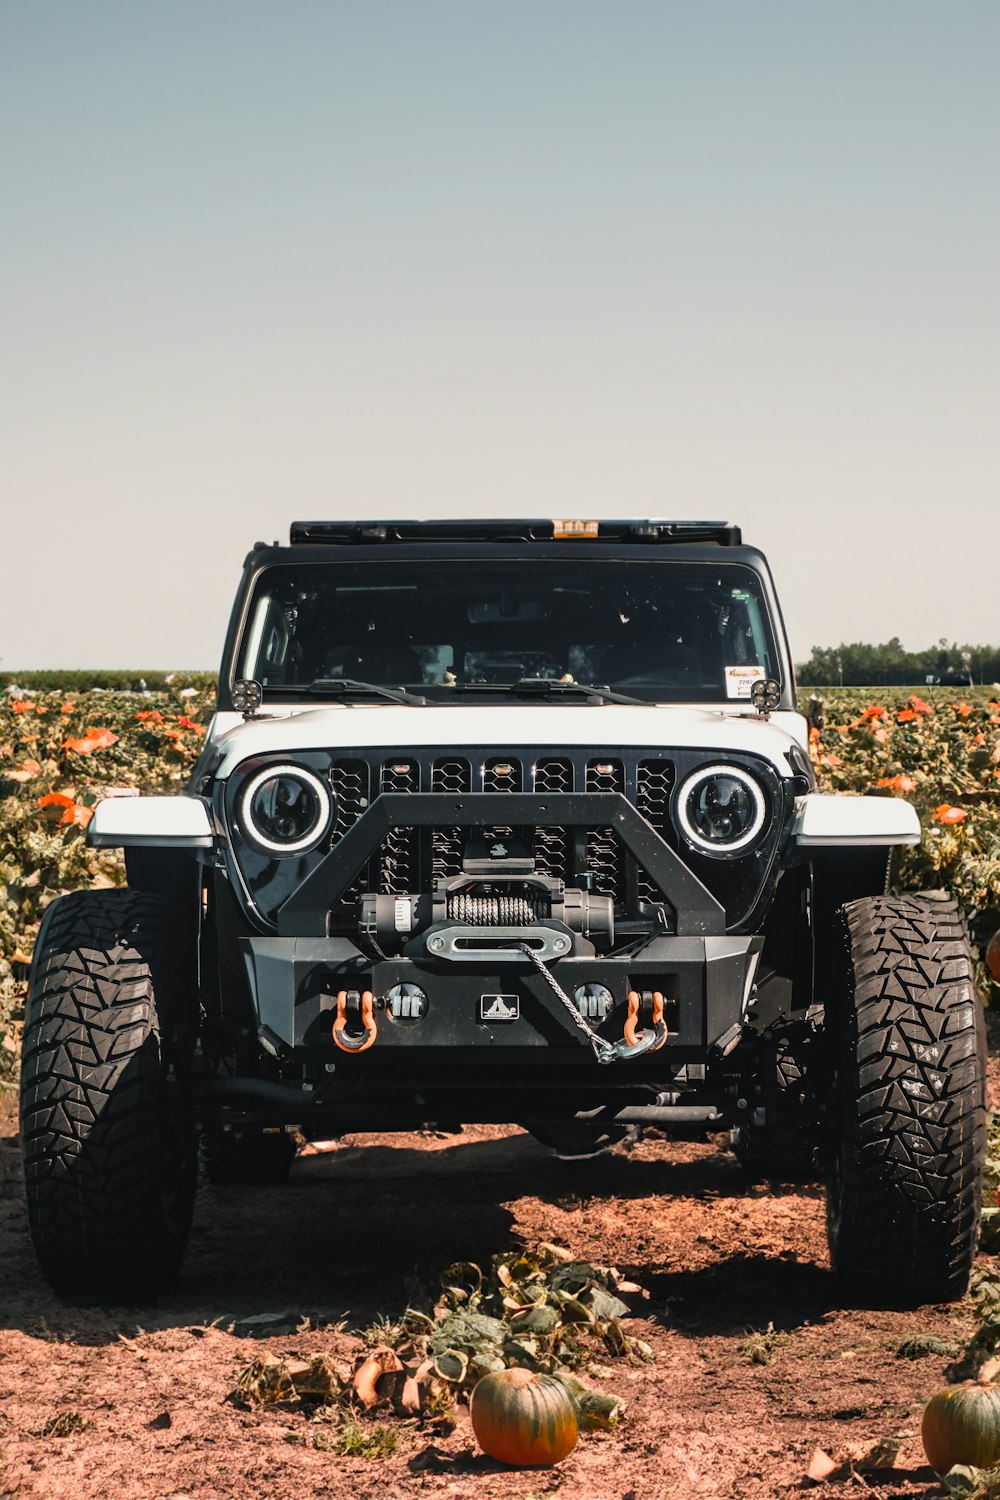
{"x": 109, "y": 1179}
{"x": 908, "y": 1108}
{"x": 249, "y": 1158}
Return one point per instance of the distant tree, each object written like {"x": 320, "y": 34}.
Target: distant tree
{"x": 889, "y": 664}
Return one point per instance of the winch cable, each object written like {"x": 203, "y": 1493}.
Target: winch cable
{"x": 498, "y": 911}
{"x": 604, "y": 1051}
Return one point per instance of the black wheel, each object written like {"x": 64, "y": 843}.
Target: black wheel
{"x": 787, "y": 1147}
{"x": 908, "y": 1107}
{"x": 254, "y": 1158}
{"x": 109, "y": 1176}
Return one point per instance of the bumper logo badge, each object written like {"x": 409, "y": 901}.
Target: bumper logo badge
{"x": 499, "y": 1008}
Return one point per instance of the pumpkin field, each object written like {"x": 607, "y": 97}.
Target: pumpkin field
{"x": 324, "y": 1337}
{"x": 61, "y": 752}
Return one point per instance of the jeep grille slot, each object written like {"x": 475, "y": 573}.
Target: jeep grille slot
{"x": 552, "y": 846}
{"x": 446, "y": 843}
{"x": 351, "y": 784}
{"x": 398, "y": 870}
{"x": 604, "y": 850}
{"x": 654, "y": 783}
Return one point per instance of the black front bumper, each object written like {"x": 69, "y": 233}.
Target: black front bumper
{"x": 294, "y": 982}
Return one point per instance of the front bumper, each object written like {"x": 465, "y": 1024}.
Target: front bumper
{"x": 294, "y": 983}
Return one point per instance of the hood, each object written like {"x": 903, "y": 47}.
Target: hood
{"x": 605, "y": 727}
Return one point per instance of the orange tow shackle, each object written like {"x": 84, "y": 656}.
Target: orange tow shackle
{"x": 349, "y": 1041}
{"x": 659, "y": 1026}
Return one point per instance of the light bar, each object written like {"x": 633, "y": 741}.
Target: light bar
{"x": 367, "y": 533}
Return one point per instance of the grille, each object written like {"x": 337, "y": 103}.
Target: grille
{"x": 350, "y": 781}
{"x": 398, "y": 870}
{"x": 653, "y": 785}
{"x": 446, "y": 843}
{"x": 604, "y": 851}
{"x": 412, "y": 859}
{"x": 502, "y": 775}
{"x": 553, "y": 846}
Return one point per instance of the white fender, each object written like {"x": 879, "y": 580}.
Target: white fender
{"x": 825, "y": 818}
{"x": 147, "y": 822}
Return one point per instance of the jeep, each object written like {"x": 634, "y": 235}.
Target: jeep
{"x": 504, "y": 821}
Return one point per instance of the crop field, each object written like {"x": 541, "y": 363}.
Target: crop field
{"x": 61, "y": 752}
{"x": 718, "y": 1360}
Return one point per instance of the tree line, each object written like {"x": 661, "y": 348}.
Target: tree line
{"x": 891, "y": 665}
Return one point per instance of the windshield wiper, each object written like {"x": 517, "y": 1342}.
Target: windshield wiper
{"x": 545, "y": 685}
{"x": 350, "y": 687}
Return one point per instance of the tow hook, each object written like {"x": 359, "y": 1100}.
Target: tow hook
{"x": 605, "y": 1051}
{"x": 358, "y": 1010}
{"x": 646, "y": 1041}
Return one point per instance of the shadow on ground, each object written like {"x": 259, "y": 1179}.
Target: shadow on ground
{"x": 365, "y": 1230}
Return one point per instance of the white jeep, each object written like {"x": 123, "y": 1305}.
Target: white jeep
{"x": 503, "y": 821}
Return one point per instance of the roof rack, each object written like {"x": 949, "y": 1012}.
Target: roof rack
{"x": 718, "y": 533}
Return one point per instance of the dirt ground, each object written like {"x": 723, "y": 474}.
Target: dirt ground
{"x": 364, "y": 1229}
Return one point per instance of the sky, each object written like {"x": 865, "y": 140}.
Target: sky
{"x": 263, "y": 260}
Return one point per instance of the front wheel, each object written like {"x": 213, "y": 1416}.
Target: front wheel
{"x": 908, "y": 1107}
{"x": 109, "y": 1174}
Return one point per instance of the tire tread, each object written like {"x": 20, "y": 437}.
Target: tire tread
{"x": 910, "y": 1109}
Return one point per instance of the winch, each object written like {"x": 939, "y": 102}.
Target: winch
{"x": 499, "y": 893}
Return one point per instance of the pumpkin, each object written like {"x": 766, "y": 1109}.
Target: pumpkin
{"x": 993, "y": 955}
{"x": 962, "y": 1426}
{"x": 523, "y": 1418}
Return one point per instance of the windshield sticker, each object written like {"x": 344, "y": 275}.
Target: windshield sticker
{"x": 739, "y": 680}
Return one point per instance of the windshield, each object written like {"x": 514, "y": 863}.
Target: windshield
{"x": 662, "y": 631}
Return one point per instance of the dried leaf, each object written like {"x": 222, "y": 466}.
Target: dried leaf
{"x": 451, "y": 1365}
{"x": 599, "y": 1412}
{"x": 604, "y": 1305}
{"x": 821, "y": 1466}
{"x": 540, "y": 1318}
{"x": 317, "y": 1379}
{"x": 556, "y": 1252}
{"x": 263, "y": 1381}
{"x": 922, "y": 1344}
{"x": 881, "y": 1455}
{"x": 378, "y": 1362}
{"x": 432, "y": 1460}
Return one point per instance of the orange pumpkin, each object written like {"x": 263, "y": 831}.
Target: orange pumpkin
{"x": 962, "y": 1426}
{"x": 523, "y": 1418}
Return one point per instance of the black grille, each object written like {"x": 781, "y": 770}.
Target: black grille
{"x": 397, "y": 859}
{"x": 604, "y": 850}
{"x": 409, "y": 860}
{"x": 351, "y": 782}
{"x": 553, "y": 846}
{"x": 446, "y": 843}
{"x": 501, "y": 774}
{"x": 654, "y": 783}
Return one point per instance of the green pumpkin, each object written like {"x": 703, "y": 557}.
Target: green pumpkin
{"x": 523, "y": 1418}
{"x": 962, "y": 1426}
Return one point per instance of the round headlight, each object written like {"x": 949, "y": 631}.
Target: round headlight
{"x": 721, "y": 809}
{"x": 285, "y": 810}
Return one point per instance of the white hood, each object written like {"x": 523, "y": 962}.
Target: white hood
{"x": 499, "y": 727}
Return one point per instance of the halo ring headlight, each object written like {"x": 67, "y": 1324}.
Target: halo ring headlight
{"x": 285, "y": 810}
{"x": 721, "y": 810}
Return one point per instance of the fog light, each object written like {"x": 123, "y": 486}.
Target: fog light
{"x": 406, "y": 1003}
{"x": 593, "y": 1001}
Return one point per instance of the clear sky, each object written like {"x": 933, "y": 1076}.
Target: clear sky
{"x": 270, "y": 259}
